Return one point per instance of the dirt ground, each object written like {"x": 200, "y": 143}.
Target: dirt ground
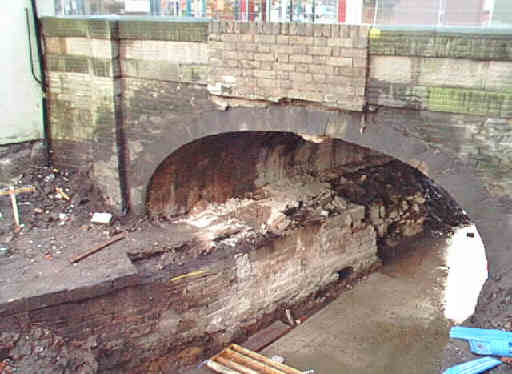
{"x": 56, "y": 215}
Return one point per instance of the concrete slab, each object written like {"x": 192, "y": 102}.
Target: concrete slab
{"x": 390, "y": 323}
{"x": 28, "y": 284}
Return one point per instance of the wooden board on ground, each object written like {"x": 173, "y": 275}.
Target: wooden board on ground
{"x": 238, "y": 360}
{"x": 266, "y": 336}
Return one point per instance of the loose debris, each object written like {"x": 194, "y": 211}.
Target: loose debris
{"x": 103, "y": 218}
{"x": 54, "y": 192}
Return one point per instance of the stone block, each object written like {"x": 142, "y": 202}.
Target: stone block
{"x": 445, "y": 72}
{"x": 339, "y": 61}
{"x": 323, "y": 51}
{"x": 305, "y": 59}
{"x": 264, "y": 57}
{"x": 265, "y": 39}
{"x": 391, "y": 69}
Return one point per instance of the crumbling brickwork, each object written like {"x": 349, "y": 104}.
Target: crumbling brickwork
{"x": 323, "y": 64}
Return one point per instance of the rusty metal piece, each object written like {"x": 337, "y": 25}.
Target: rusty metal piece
{"x": 506, "y": 360}
{"x": 239, "y": 360}
{"x": 98, "y": 248}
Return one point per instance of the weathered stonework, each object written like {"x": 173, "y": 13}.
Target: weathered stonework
{"x": 323, "y": 64}
{"x": 85, "y": 62}
{"x": 148, "y": 79}
{"x": 82, "y": 61}
{"x": 445, "y": 71}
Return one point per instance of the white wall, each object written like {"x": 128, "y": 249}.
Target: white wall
{"x": 20, "y": 95}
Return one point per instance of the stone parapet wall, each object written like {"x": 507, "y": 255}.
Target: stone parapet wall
{"x": 323, "y": 64}
{"x": 442, "y": 71}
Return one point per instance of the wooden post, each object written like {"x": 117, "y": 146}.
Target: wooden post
{"x": 12, "y": 194}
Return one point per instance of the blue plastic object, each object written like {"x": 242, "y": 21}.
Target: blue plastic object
{"x": 483, "y": 341}
{"x": 475, "y": 366}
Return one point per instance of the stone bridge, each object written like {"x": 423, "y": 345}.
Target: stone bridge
{"x": 166, "y": 116}
{"x": 124, "y": 94}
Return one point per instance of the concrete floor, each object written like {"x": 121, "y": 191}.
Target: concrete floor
{"x": 391, "y": 322}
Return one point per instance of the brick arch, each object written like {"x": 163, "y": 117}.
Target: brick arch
{"x": 490, "y": 214}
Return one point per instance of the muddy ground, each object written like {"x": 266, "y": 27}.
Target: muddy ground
{"x": 56, "y": 225}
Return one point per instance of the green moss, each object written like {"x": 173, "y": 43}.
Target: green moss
{"x": 79, "y": 27}
{"x": 467, "y": 101}
{"x": 68, "y": 63}
{"x": 64, "y": 27}
{"x": 474, "y": 45}
{"x": 164, "y": 30}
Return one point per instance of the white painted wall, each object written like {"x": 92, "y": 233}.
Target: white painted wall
{"x": 20, "y": 96}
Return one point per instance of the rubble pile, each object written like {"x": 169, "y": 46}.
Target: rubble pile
{"x": 58, "y": 196}
{"x": 41, "y": 351}
{"x": 401, "y": 202}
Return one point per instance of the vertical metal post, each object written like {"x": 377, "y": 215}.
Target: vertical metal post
{"x": 376, "y": 10}
{"x": 492, "y": 5}
{"x": 440, "y": 13}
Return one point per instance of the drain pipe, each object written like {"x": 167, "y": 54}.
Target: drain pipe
{"x": 121, "y": 146}
{"x": 42, "y": 80}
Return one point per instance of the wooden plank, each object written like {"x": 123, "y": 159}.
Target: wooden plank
{"x": 233, "y": 365}
{"x": 267, "y": 336}
{"x": 220, "y": 368}
{"x": 239, "y": 360}
{"x": 267, "y": 361}
{"x": 251, "y": 363}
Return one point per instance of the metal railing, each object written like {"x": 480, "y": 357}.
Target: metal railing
{"x": 495, "y": 13}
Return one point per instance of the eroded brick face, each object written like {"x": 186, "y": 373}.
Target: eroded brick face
{"x": 316, "y": 63}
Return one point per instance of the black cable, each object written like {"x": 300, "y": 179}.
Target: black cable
{"x": 30, "y": 48}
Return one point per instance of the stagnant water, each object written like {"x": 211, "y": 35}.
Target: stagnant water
{"x": 397, "y": 320}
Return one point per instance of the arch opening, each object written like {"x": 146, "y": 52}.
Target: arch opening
{"x": 312, "y": 207}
